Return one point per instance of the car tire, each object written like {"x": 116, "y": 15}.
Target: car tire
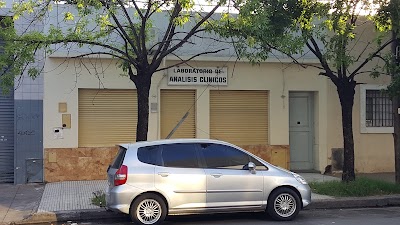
{"x": 283, "y": 204}
{"x": 148, "y": 209}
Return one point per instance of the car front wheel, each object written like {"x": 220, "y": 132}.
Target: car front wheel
{"x": 148, "y": 209}
{"x": 283, "y": 204}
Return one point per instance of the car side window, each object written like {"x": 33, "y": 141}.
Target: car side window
{"x": 149, "y": 155}
{"x": 180, "y": 155}
{"x": 223, "y": 157}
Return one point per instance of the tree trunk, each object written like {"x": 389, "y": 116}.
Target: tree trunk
{"x": 346, "y": 91}
{"x": 143, "y": 84}
{"x": 396, "y": 116}
{"x": 396, "y": 137}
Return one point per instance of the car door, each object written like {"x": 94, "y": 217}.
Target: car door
{"x": 180, "y": 177}
{"x": 229, "y": 182}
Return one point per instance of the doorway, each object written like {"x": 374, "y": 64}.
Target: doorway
{"x": 301, "y": 131}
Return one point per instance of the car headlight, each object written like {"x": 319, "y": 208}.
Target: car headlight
{"x": 299, "y": 178}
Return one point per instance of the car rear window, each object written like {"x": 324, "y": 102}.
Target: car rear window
{"x": 116, "y": 164}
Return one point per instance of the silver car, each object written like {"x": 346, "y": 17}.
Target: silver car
{"x": 150, "y": 180}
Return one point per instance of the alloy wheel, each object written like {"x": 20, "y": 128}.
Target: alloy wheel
{"x": 285, "y": 205}
{"x": 148, "y": 211}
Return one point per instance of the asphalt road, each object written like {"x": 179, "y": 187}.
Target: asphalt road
{"x": 366, "y": 216}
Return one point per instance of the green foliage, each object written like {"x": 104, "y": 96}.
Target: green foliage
{"x": 261, "y": 25}
{"x": 99, "y": 198}
{"x": 15, "y": 55}
{"x": 388, "y": 16}
{"x": 361, "y": 187}
{"x": 288, "y": 25}
{"x": 120, "y": 29}
{"x": 388, "y": 19}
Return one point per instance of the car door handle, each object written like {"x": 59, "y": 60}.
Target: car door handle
{"x": 163, "y": 174}
{"x": 216, "y": 175}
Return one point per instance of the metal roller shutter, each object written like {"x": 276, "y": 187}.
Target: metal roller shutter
{"x": 107, "y": 117}
{"x": 6, "y": 137}
{"x": 174, "y": 105}
{"x": 239, "y": 117}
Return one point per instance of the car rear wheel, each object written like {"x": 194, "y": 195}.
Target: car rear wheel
{"x": 148, "y": 209}
{"x": 283, "y": 204}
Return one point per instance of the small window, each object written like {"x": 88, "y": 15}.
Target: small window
{"x": 150, "y": 155}
{"x": 378, "y": 109}
{"x": 119, "y": 159}
{"x": 224, "y": 157}
{"x": 180, "y": 155}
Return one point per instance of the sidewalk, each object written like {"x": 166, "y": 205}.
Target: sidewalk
{"x": 18, "y": 202}
{"x": 71, "y": 201}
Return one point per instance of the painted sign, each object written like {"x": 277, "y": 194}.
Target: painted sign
{"x": 186, "y": 75}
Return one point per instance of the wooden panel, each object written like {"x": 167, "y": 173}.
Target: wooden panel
{"x": 239, "y": 117}
{"x": 107, "y": 117}
{"x": 174, "y": 105}
{"x": 278, "y": 155}
{"x": 279, "y": 158}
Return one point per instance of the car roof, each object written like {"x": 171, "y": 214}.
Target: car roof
{"x": 172, "y": 141}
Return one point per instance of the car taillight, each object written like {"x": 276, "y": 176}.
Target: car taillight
{"x": 121, "y": 176}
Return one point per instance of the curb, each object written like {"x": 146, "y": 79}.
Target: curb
{"x": 354, "y": 202}
{"x": 96, "y": 214}
{"x": 63, "y": 216}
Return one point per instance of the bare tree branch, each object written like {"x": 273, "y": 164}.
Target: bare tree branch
{"x": 375, "y": 54}
{"x": 362, "y": 52}
{"x": 98, "y": 53}
{"x": 183, "y": 61}
{"x": 168, "y": 35}
{"x": 121, "y": 27}
{"x": 317, "y": 52}
{"x": 191, "y": 32}
{"x": 137, "y": 8}
{"x": 371, "y": 71}
{"x": 76, "y": 41}
{"x": 132, "y": 26}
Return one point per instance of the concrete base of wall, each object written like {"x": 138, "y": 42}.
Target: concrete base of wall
{"x": 278, "y": 155}
{"x": 71, "y": 164}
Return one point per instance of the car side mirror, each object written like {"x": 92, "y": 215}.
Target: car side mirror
{"x": 252, "y": 167}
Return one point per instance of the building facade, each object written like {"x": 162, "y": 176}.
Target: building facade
{"x": 284, "y": 113}
{"x": 65, "y": 124}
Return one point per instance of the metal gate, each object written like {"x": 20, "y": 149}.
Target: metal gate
{"x": 6, "y": 137}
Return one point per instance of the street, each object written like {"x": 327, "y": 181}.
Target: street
{"x": 365, "y": 216}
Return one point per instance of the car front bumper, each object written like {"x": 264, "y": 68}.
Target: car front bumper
{"x": 305, "y": 192}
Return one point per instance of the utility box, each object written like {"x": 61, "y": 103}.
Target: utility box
{"x": 34, "y": 170}
{"x": 66, "y": 121}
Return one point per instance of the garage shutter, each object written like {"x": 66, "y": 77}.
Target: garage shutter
{"x": 239, "y": 117}
{"x": 174, "y": 105}
{"x": 6, "y": 137}
{"x": 107, "y": 117}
